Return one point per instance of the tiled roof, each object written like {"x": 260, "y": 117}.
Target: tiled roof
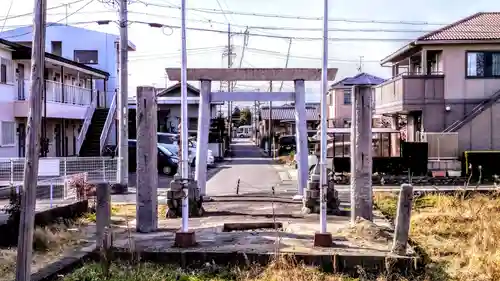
{"x": 361, "y": 78}
{"x": 175, "y": 87}
{"x": 480, "y": 26}
{"x": 288, "y": 113}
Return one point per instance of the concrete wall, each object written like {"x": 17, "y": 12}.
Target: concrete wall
{"x": 71, "y": 129}
{"x": 337, "y": 110}
{"x": 453, "y": 62}
{"x": 7, "y": 94}
{"x": 481, "y": 132}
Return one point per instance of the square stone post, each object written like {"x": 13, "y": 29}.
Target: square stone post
{"x": 301, "y": 137}
{"x": 147, "y": 160}
{"x": 202, "y": 141}
{"x": 361, "y": 153}
{"x": 103, "y": 214}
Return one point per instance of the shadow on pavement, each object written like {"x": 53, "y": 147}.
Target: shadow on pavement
{"x": 164, "y": 181}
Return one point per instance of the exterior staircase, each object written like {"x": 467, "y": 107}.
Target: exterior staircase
{"x": 485, "y": 104}
{"x": 91, "y": 145}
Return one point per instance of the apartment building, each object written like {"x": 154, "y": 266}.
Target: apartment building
{"x": 70, "y": 90}
{"x": 96, "y": 49}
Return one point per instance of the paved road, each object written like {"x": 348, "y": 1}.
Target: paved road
{"x": 247, "y": 166}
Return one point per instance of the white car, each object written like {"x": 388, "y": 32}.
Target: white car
{"x": 191, "y": 154}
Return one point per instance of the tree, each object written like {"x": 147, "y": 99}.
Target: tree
{"x": 245, "y": 116}
{"x": 235, "y": 116}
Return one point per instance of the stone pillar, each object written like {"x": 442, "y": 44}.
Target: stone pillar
{"x": 301, "y": 136}
{"x": 202, "y": 141}
{"x": 103, "y": 214}
{"x": 361, "y": 154}
{"x": 147, "y": 158}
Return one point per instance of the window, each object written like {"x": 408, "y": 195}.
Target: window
{"x": 6, "y": 71}
{"x": 347, "y": 96}
{"x": 483, "y": 64}
{"x": 86, "y": 57}
{"x": 56, "y": 48}
{"x": 8, "y": 131}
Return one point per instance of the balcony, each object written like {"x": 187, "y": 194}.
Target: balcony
{"x": 63, "y": 101}
{"x": 408, "y": 92}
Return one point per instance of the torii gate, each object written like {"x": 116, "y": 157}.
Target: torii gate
{"x": 207, "y": 75}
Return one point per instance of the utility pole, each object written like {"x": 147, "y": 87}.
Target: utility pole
{"x": 229, "y": 88}
{"x": 287, "y": 59}
{"x": 360, "y": 66}
{"x": 123, "y": 97}
{"x": 323, "y": 144}
{"x": 271, "y": 138}
{"x": 28, "y": 192}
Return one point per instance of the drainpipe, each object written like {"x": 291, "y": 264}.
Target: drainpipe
{"x": 92, "y": 89}
{"x": 63, "y": 100}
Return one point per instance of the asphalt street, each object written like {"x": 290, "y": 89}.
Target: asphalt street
{"x": 246, "y": 173}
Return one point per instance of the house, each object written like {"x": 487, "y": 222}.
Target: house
{"x": 283, "y": 119}
{"x": 447, "y": 82}
{"x": 339, "y": 100}
{"x": 67, "y": 104}
{"x": 169, "y": 109}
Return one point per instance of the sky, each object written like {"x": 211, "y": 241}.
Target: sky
{"x": 158, "y": 48}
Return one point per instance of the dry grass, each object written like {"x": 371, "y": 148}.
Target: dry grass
{"x": 48, "y": 245}
{"x": 128, "y": 211}
{"x": 281, "y": 269}
{"x": 461, "y": 236}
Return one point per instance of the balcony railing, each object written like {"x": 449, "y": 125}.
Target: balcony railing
{"x": 407, "y": 91}
{"x": 72, "y": 94}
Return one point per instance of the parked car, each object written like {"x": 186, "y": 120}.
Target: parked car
{"x": 168, "y": 138}
{"x": 172, "y": 141}
{"x": 191, "y": 154}
{"x": 286, "y": 144}
{"x": 168, "y": 162}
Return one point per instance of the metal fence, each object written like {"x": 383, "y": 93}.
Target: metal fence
{"x": 98, "y": 169}
{"x": 61, "y": 181}
{"x": 441, "y": 145}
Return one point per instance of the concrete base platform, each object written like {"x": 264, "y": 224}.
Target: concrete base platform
{"x": 367, "y": 244}
{"x": 185, "y": 239}
{"x": 323, "y": 239}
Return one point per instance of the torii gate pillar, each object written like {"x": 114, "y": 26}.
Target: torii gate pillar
{"x": 301, "y": 138}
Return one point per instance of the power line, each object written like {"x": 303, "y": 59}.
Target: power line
{"x": 8, "y": 13}
{"x": 296, "y": 17}
{"x": 47, "y": 25}
{"x": 301, "y": 38}
{"x": 177, "y": 51}
{"x": 30, "y": 14}
{"x": 200, "y": 51}
{"x": 291, "y": 28}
